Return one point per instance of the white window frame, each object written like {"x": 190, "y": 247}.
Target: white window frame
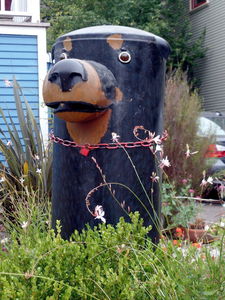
{"x": 32, "y": 13}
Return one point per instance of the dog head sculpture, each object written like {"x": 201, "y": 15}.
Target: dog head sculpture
{"x": 82, "y": 94}
{"x": 85, "y": 85}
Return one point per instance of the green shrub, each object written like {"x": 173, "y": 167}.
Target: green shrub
{"x": 103, "y": 263}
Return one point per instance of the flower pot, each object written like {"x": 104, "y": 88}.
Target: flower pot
{"x": 198, "y": 235}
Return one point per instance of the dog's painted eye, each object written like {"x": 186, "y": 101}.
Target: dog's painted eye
{"x": 124, "y": 57}
{"x": 63, "y": 56}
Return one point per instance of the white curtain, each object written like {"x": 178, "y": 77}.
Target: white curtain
{"x": 19, "y": 5}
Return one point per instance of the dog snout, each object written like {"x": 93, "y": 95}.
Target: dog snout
{"x": 67, "y": 73}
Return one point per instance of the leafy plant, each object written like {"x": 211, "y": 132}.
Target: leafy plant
{"x": 27, "y": 161}
{"x": 168, "y": 19}
{"x": 177, "y": 209}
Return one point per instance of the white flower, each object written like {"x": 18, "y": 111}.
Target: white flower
{"x": 122, "y": 204}
{"x": 38, "y": 171}
{"x": 210, "y": 180}
{"x": 9, "y": 143}
{"x": 2, "y": 179}
{"x": 22, "y": 180}
{"x": 154, "y": 177}
{"x": 151, "y": 149}
{"x": 204, "y": 182}
{"x": 4, "y": 241}
{"x": 115, "y": 137}
{"x": 222, "y": 224}
{"x": 99, "y": 213}
{"x": 158, "y": 148}
{"x": 24, "y": 225}
{"x": 188, "y": 153}
{"x": 164, "y": 163}
{"x": 7, "y": 83}
{"x": 157, "y": 139}
{"x": 206, "y": 227}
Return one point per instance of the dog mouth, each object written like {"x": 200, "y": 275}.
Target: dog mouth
{"x": 76, "y": 106}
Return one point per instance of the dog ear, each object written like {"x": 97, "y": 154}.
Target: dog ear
{"x": 119, "y": 94}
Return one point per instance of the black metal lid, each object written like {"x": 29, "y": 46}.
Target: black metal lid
{"x": 128, "y": 33}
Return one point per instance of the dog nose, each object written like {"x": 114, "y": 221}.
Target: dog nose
{"x": 67, "y": 73}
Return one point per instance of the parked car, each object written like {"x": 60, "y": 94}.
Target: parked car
{"x": 213, "y": 123}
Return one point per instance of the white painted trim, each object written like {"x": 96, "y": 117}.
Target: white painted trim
{"x": 23, "y": 24}
{"x": 14, "y": 13}
{"x": 40, "y": 32}
{"x": 33, "y": 7}
{"x": 42, "y": 66}
{"x": 3, "y": 5}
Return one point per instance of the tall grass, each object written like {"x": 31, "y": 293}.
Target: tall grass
{"x": 182, "y": 110}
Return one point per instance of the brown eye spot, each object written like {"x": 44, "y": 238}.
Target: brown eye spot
{"x": 124, "y": 57}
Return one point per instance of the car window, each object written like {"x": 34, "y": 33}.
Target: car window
{"x": 208, "y": 127}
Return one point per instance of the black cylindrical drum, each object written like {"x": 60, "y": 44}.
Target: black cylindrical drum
{"x": 106, "y": 81}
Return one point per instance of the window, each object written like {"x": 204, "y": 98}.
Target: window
{"x": 197, "y": 3}
{"x": 17, "y": 10}
{"x": 13, "y": 5}
{"x": 19, "y": 5}
{"x": 5, "y": 4}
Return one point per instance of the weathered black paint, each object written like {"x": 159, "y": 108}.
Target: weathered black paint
{"x": 142, "y": 84}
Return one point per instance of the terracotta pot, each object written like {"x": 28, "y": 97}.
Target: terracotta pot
{"x": 197, "y": 235}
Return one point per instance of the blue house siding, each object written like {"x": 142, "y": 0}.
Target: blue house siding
{"x": 19, "y": 58}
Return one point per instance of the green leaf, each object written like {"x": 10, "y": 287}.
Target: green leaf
{"x": 26, "y": 149}
{"x": 210, "y": 293}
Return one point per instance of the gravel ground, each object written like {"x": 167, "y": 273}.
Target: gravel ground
{"x": 211, "y": 213}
